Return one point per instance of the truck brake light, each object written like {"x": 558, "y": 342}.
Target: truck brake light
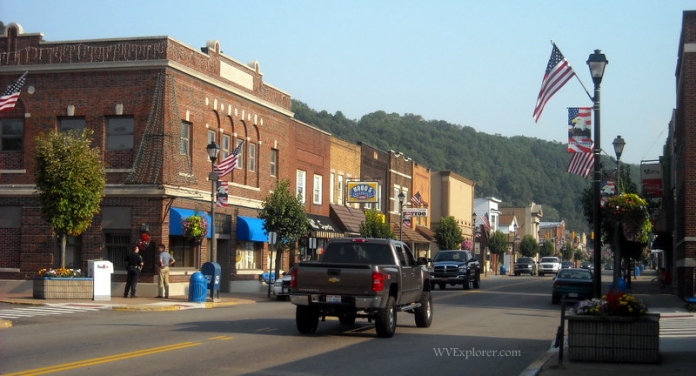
{"x": 377, "y": 281}
{"x": 293, "y": 278}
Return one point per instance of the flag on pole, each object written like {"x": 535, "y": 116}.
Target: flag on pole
{"x": 11, "y": 94}
{"x": 486, "y": 223}
{"x": 558, "y": 72}
{"x": 581, "y": 164}
{"x": 230, "y": 163}
{"x": 222, "y": 193}
{"x": 417, "y": 199}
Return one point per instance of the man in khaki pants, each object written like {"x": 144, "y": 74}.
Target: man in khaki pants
{"x": 164, "y": 261}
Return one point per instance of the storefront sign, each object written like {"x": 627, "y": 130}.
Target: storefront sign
{"x": 416, "y": 212}
{"x": 362, "y": 191}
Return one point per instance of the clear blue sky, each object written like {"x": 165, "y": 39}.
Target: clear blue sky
{"x": 472, "y": 63}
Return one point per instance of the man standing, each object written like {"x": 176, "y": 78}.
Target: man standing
{"x": 164, "y": 261}
{"x": 134, "y": 264}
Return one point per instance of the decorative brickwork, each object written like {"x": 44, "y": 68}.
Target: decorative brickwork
{"x": 63, "y": 288}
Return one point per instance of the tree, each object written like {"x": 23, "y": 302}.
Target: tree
{"x": 529, "y": 246}
{"x": 546, "y": 249}
{"x": 70, "y": 179}
{"x": 497, "y": 243}
{"x": 567, "y": 251}
{"x": 375, "y": 226}
{"x": 448, "y": 234}
{"x": 284, "y": 214}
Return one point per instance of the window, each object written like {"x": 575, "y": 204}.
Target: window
{"x": 117, "y": 247}
{"x": 240, "y": 157}
{"x": 185, "y": 138}
{"x": 184, "y": 251}
{"x": 72, "y": 123}
{"x": 300, "y": 184}
{"x": 248, "y": 256}
{"x": 395, "y": 199}
{"x": 119, "y": 133}
{"x": 340, "y": 190}
{"x": 251, "y": 163}
{"x": 225, "y": 147}
{"x": 331, "y": 188}
{"x": 317, "y": 190}
{"x": 211, "y": 137}
{"x": 274, "y": 162}
{"x": 11, "y": 134}
{"x": 73, "y": 259}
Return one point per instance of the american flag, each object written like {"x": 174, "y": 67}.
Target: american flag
{"x": 579, "y": 129}
{"x": 230, "y": 163}
{"x": 11, "y": 94}
{"x": 558, "y": 72}
{"x": 486, "y": 223}
{"x": 581, "y": 164}
{"x": 222, "y": 193}
{"x": 417, "y": 199}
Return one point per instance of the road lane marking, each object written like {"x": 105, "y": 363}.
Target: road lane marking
{"x": 104, "y": 359}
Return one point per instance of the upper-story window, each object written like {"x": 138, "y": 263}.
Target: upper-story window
{"x": 225, "y": 147}
{"x": 317, "y": 189}
{"x": 274, "y": 162}
{"x": 211, "y": 137}
{"x": 251, "y": 161}
{"x": 332, "y": 196}
{"x": 119, "y": 133}
{"x": 340, "y": 190}
{"x": 301, "y": 184}
{"x": 11, "y": 134}
{"x": 185, "y": 137}
{"x": 70, "y": 123}
{"x": 240, "y": 156}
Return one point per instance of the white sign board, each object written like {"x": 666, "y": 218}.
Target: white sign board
{"x": 416, "y": 212}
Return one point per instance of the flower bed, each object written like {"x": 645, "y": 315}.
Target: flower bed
{"x": 63, "y": 288}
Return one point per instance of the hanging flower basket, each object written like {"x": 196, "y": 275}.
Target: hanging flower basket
{"x": 630, "y": 212}
{"x": 195, "y": 227}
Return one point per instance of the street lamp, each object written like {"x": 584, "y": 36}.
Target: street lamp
{"x": 473, "y": 234}
{"x": 213, "y": 149}
{"x": 402, "y": 197}
{"x": 597, "y": 63}
{"x": 618, "y": 144}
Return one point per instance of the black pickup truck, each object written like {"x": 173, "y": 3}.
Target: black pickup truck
{"x": 361, "y": 278}
{"x": 455, "y": 267}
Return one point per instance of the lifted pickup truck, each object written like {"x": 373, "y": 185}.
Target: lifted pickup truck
{"x": 361, "y": 278}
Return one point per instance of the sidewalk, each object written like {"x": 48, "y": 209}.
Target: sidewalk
{"x": 677, "y": 352}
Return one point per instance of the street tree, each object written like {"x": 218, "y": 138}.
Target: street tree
{"x": 546, "y": 249}
{"x": 70, "y": 180}
{"x": 529, "y": 246}
{"x": 497, "y": 243}
{"x": 376, "y": 226}
{"x": 448, "y": 234}
{"x": 284, "y": 214}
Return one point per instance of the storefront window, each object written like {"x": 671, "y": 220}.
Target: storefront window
{"x": 248, "y": 255}
{"x": 184, "y": 251}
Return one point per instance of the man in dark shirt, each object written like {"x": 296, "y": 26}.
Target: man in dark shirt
{"x": 134, "y": 264}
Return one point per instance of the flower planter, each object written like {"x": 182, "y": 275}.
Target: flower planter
{"x": 63, "y": 288}
{"x": 614, "y": 338}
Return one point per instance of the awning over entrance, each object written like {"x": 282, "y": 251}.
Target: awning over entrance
{"x": 323, "y": 227}
{"x": 251, "y": 229}
{"x": 176, "y": 215}
{"x": 426, "y": 232}
{"x": 348, "y": 219}
{"x": 408, "y": 235}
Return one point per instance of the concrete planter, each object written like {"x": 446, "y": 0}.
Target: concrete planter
{"x": 614, "y": 338}
{"x": 63, "y": 288}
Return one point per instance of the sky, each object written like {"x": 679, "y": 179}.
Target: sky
{"x": 470, "y": 63}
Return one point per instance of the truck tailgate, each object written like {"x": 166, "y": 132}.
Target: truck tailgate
{"x": 338, "y": 279}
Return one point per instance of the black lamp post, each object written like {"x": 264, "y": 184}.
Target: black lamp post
{"x": 473, "y": 234}
{"x": 618, "y": 144}
{"x": 597, "y": 63}
{"x": 402, "y": 197}
{"x": 213, "y": 149}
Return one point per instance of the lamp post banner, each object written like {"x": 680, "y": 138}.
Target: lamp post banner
{"x": 579, "y": 129}
{"x": 651, "y": 179}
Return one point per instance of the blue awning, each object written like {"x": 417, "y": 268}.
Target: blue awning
{"x": 176, "y": 215}
{"x": 251, "y": 229}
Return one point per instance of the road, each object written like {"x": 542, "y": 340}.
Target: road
{"x": 503, "y": 327}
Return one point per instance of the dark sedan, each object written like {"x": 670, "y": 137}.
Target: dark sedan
{"x": 566, "y": 265}
{"x": 575, "y": 284}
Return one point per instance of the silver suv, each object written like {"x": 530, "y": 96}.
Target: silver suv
{"x": 549, "y": 265}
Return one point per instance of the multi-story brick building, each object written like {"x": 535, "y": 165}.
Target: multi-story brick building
{"x": 154, "y": 105}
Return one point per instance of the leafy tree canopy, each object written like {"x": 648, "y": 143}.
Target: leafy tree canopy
{"x": 529, "y": 246}
{"x": 448, "y": 234}
{"x": 497, "y": 243}
{"x": 375, "y": 226}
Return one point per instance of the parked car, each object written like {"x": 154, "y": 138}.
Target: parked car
{"x": 566, "y": 265}
{"x": 575, "y": 284}
{"x": 589, "y": 265}
{"x": 281, "y": 287}
{"x": 525, "y": 265}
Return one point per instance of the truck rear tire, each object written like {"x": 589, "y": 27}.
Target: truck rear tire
{"x": 424, "y": 313}
{"x": 385, "y": 321}
{"x": 306, "y": 319}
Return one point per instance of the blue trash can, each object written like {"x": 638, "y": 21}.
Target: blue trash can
{"x": 197, "y": 288}
{"x": 637, "y": 271}
{"x": 503, "y": 270}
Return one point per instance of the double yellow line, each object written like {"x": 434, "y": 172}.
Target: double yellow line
{"x": 105, "y": 359}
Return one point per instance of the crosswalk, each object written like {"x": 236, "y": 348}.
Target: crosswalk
{"x": 45, "y": 310}
{"x": 677, "y": 327}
